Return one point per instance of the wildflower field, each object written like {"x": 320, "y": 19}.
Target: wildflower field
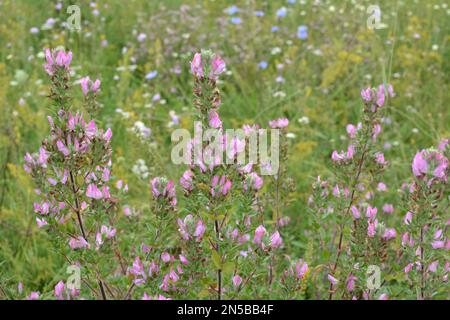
{"x": 119, "y": 179}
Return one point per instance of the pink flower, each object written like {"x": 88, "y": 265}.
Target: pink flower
{"x": 199, "y": 230}
{"x": 43, "y": 156}
{"x": 107, "y": 136}
{"x": 78, "y": 243}
{"x": 196, "y": 65}
{"x": 62, "y": 148}
{"x": 351, "y": 282}
{"x": 350, "y": 151}
{"x": 336, "y": 192}
{"x": 432, "y": 267}
{"x": 419, "y": 164}
{"x": 217, "y": 66}
{"x": 366, "y": 94}
{"x": 183, "y": 259}
{"x": 237, "y": 280}
{"x": 371, "y": 212}
{"x": 371, "y": 228}
{"x": 93, "y": 192}
{"x": 62, "y": 59}
{"x": 84, "y": 82}
{"x": 355, "y": 212}
{"x": 41, "y": 222}
{"x": 380, "y": 96}
{"x": 165, "y": 257}
{"x": 186, "y": 180}
{"x": 59, "y": 290}
{"x": 279, "y": 123}
{"x": 275, "y": 240}
{"x": 332, "y": 279}
{"x": 408, "y": 268}
{"x": 259, "y": 234}
{"x": 379, "y": 158}
{"x": 96, "y": 85}
{"x": 351, "y": 130}
{"x": 253, "y": 182}
{"x": 383, "y": 296}
{"x": 388, "y": 208}
{"x": 390, "y": 90}
{"x": 335, "y": 156}
{"x": 408, "y": 218}
{"x": 389, "y": 233}
{"x": 214, "y": 120}
{"x": 376, "y": 131}
{"x": 439, "y": 244}
{"x": 33, "y": 296}
{"x": 110, "y": 232}
{"x": 381, "y": 187}
{"x": 301, "y": 269}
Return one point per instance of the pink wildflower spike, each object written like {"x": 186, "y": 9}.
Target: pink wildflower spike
{"x": 93, "y": 192}
{"x": 197, "y": 66}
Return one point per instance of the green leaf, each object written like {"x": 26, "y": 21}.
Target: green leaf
{"x": 217, "y": 259}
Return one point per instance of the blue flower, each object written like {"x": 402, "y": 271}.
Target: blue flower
{"x": 151, "y": 75}
{"x": 275, "y": 28}
{"x": 292, "y": 1}
{"x": 232, "y": 10}
{"x": 263, "y": 65}
{"x": 236, "y": 20}
{"x": 281, "y": 12}
{"x": 259, "y": 13}
{"x": 302, "y": 32}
